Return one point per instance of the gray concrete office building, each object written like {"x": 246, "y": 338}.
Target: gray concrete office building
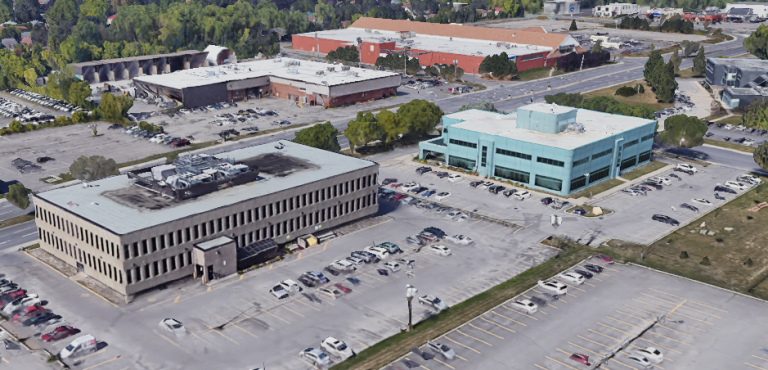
{"x": 136, "y": 231}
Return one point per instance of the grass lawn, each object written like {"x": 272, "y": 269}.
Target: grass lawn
{"x": 64, "y": 178}
{"x": 475, "y": 86}
{"x": 739, "y": 147}
{"x": 716, "y": 39}
{"x": 734, "y": 120}
{"x": 391, "y": 348}
{"x": 687, "y": 73}
{"x": 644, "y": 170}
{"x": 17, "y": 220}
{"x": 597, "y": 189}
{"x": 647, "y": 99}
{"x": 588, "y": 209}
{"x": 727, "y": 251}
{"x": 663, "y": 51}
{"x": 537, "y": 73}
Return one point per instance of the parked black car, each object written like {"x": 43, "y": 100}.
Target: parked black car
{"x": 388, "y": 181}
{"x": 546, "y": 201}
{"x": 442, "y": 174}
{"x": 306, "y": 281}
{"x": 39, "y": 318}
{"x": 725, "y": 189}
{"x": 585, "y": 274}
{"x": 368, "y": 257}
{"x": 437, "y": 232}
{"x": 509, "y": 193}
{"x": 496, "y": 189}
{"x": 665, "y": 219}
{"x": 475, "y": 184}
{"x": 594, "y": 268}
{"x": 688, "y": 206}
{"x": 423, "y": 170}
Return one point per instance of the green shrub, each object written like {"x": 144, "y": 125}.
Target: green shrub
{"x": 626, "y": 91}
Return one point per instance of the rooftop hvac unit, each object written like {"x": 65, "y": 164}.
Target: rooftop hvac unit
{"x": 319, "y": 73}
{"x": 293, "y": 70}
{"x": 345, "y": 68}
{"x": 352, "y": 73}
{"x": 368, "y": 30}
{"x": 408, "y": 42}
{"x": 499, "y": 44}
{"x": 331, "y": 69}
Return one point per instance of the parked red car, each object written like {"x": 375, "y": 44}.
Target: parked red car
{"x": 29, "y": 311}
{"x": 398, "y": 197}
{"x": 343, "y": 288}
{"x": 604, "y": 258}
{"x": 580, "y": 358}
{"x": 11, "y": 296}
{"x": 180, "y": 143}
{"x": 396, "y": 185}
{"x": 59, "y": 333}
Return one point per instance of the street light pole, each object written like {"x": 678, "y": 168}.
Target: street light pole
{"x": 410, "y": 292}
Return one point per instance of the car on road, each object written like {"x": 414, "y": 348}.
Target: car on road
{"x": 454, "y": 178}
{"x": 604, "y": 258}
{"x": 571, "y": 277}
{"x": 441, "y": 349}
{"x": 665, "y": 219}
{"x": 585, "y": 274}
{"x": 442, "y": 195}
{"x": 581, "y": 358}
{"x": 594, "y": 268}
{"x": 432, "y": 301}
{"x": 336, "y": 348}
{"x": 439, "y": 250}
{"x": 639, "y": 360}
{"x": 702, "y": 201}
{"x": 379, "y": 252}
{"x": 366, "y": 256}
{"x": 436, "y": 231}
{"x": 525, "y": 306}
{"x": 21, "y": 303}
{"x": 343, "y": 265}
{"x": 736, "y": 185}
{"x": 689, "y": 207}
{"x": 279, "y": 292}
{"x": 331, "y": 292}
{"x": 427, "y": 237}
{"x": 459, "y": 239}
{"x": 554, "y": 287}
{"x": 173, "y": 326}
{"x": 315, "y": 357}
{"x": 523, "y": 195}
{"x": 651, "y": 353}
{"x": 725, "y": 189}
{"x": 59, "y": 333}
{"x": 687, "y": 167}
{"x": 392, "y": 266}
{"x": 392, "y": 248}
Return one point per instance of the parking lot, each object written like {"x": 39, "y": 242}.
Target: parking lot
{"x": 630, "y": 222}
{"x": 607, "y": 310}
{"x": 734, "y": 134}
{"x": 227, "y": 321}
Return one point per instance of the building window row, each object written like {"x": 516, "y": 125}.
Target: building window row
{"x": 153, "y": 269}
{"x": 463, "y": 143}
{"x": 459, "y": 162}
{"x": 239, "y": 219}
{"x": 602, "y": 154}
{"x": 513, "y": 154}
{"x": 581, "y": 161}
{"x": 627, "y": 163}
{"x": 552, "y": 162}
{"x": 600, "y": 174}
{"x": 578, "y": 182}
{"x": 647, "y": 137}
{"x": 631, "y": 143}
{"x": 526, "y": 58}
{"x": 513, "y": 175}
{"x": 549, "y": 183}
{"x": 644, "y": 156}
{"x": 85, "y": 235}
{"x": 82, "y": 257}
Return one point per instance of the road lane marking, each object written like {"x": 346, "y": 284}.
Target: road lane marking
{"x": 472, "y": 285}
{"x": 694, "y": 302}
{"x": 283, "y": 306}
{"x": 760, "y": 358}
{"x": 29, "y": 234}
{"x": 519, "y": 313}
{"x": 371, "y": 276}
{"x": 469, "y": 336}
{"x": 449, "y": 366}
{"x": 177, "y": 299}
{"x": 497, "y": 324}
{"x": 510, "y": 319}
{"x": 485, "y": 331}
{"x": 586, "y": 349}
{"x": 271, "y": 314}
{"x": 756, "y": 367}
{"x": 463, "y": 291}
{"x": 540, "y": 367}
{"x": 465, "y": 346}
{"x": 611, "y": 327}
{"x": 105, "y": 362}
{"x": 246, "y": 331}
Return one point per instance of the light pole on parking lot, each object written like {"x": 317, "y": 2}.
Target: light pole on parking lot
{"x": 410, "y": 292}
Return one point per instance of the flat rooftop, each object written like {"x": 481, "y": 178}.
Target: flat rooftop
{"x": 598, "y": 126}
{"x": 480, "y": 48}
{"x": 118, "y": 205}
{"x": 756, "y": 64}
{"x": 287, "y": 68}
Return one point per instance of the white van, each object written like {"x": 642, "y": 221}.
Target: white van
{"x": 86, "y": 343}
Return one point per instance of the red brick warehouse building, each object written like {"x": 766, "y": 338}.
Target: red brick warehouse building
{"x": 465, "y": 46}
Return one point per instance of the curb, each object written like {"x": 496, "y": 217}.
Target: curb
{"x": 728, "y": 149}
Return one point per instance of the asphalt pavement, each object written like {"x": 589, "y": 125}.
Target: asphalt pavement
{"x": 8, "y": 210}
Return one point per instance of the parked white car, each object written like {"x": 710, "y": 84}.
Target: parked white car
{"x": 173, "y": 326}
{"x": 21, "y": 303}
{"x": 736, "y": 185}
{"x": 454, "y": 178}
{"x": 459, "y": 239}
{"x": 571, "y": 277}
{"x": 454, "y": 214}
{"x": 728, "y": 126}
{"x": 379, "y": 252}
{"x": 315, "y": 357}
{"x": 442, "y": 195}
{"x": 331, "y": 292}
{"x": 749, "y": 179}
{"x": 554, "y": 287}
{"x": 652, "y": 354}
{"x": 662, "y": 180}
{"x": 343, "y": 265}
{"x": 392, "y": 266}
{"x": 410, "y": 186}
{"x": 290, "y": 285}
{"x": 432, "y": 301}
{"x": 439, "y": 250}
{"x": 485, "y": 185}
{"x": 687, "y": 167}
{"x": 336, "y": 348}
{"x": 279, "y": 292}
{"x": 639, "y": 360}
{"x": 522, "y": 195}
{"x": 702, "y": 201}
{"x": 525, "y": 306}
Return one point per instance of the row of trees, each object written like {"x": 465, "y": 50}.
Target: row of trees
{"x": 415, "y": 118}
{"x": 756, "y": 115}
{"x": 344, "y": 54}
{"x": 499, "y": 66}
{"x": 601, "y": 104}
{"x": 398, "y": 61}
{"x": 634, "y": 23}
{"x": 677, "y": 24}
{"x": 660, "y": 76}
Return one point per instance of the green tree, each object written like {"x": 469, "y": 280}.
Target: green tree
{"x": 362, "y": 130}
{"x": 499, "y": 66}
{"x": 113, "y": 108}
{"x": 597, "y": 47}
{"x": 94, "y": 9}
{"x": 676, "y": 60}
{"x": 683, "y": 255}
{"x": 652, "y": 65}
{"x": 93, "y": 168}
{"x": 26, "y": 11}
{"x": 87, "y": 32}
{"x": 78, "y": 94}
{"x": 757, "y": 43}
{"x": 420, "y": 116}
{"x": 761, "y": 156}
{"x": 705, "y": 261}
{"x": 61, "y": 17}
{"x": 344, "y": 53}
{"x": 564, "y": 99}
{"x": 10, "y": 32}
{"x": 390, "y": 127}
{"x": 681, "y": 131}
{"x": 699, "y": 63}
{"x": 479, "y": 105}
{"x": 18, "y": 195}
{"x": 756, "y": 115}
{"x": 321, "y": 136}
{"x": 665, "y": 82}
{"x": 573, "y": 26}
{"x": 689, "y": 47}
